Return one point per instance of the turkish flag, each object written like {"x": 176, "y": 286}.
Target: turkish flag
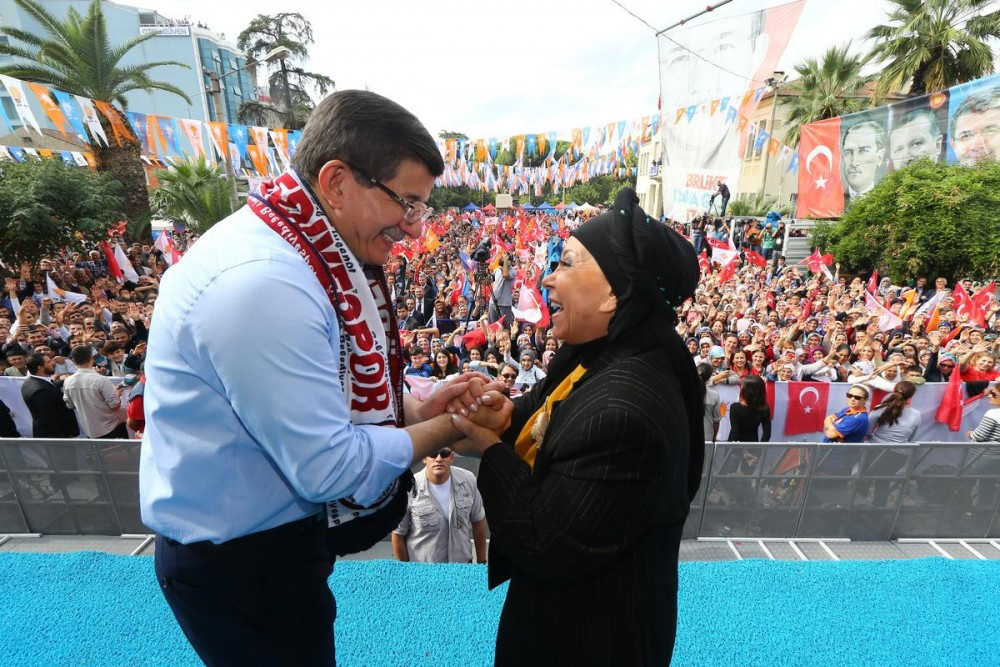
{"x": 964, "y": 305}
{"x": 706, "y": 266}
{"x": 755, "y": 258}
{"x": 982, "y": 298}
{"x": 821, "y": 193}
{"x": 873, "y": 282}
{"x": 729, "y": 270}
{"x": 950, "y": 410}
{"x": 806, "y": 410}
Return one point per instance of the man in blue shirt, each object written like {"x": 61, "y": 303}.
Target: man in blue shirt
{"x": 255, "y": 425}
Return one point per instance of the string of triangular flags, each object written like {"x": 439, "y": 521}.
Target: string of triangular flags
{"x": 730, "y": 106}
{"x": 72, "y": 158}
{"x": 594, "y": 151}
{"x": 260, "y": 150}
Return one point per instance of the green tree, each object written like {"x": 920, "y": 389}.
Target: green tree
{"x": 925, "y": 220}
{"x": 289, "y": 82}
{"x": 825, "y": 88}
{"x": 934, "y": 44}
{"x": 194, "y": 194}
{"x": 758, "y": 206}
{"x": 75, "y": 55}
{"x": 46, "y": 205}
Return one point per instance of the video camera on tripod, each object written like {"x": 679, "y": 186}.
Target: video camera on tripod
{"x": 481, "y": 256}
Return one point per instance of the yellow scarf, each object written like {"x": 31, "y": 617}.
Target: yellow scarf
{"x": 531, "y": 435}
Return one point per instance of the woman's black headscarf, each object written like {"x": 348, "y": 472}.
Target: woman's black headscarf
{"x": 652, "y": 270}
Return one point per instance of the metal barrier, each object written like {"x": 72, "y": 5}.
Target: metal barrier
{"x": 768, "y": 490}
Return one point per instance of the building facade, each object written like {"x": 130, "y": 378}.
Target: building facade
{"x": 198, "y": 49}
{"x": 649, "y": 181}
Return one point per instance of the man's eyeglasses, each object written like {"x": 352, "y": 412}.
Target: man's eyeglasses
{"x": 508, "y": 376}
{"x": 443, "y": 453}
{"x": 946, "y": 365}
{"x": 414, "y": 211}
{"x": 856, "y": 397}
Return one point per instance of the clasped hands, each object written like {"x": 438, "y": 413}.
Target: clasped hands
{"x": 480, "y": 410}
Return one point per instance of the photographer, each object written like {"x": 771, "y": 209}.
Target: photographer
{"x": 502, "y": 297}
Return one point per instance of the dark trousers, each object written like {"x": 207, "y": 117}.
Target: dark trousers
{"x": 262, "y": 599}
{"x": 120, "y": 432}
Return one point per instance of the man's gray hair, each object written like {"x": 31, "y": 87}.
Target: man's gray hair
{"x": 367, "y": 131}
{"x": 876, "y": 126}
{"x": 981, "y": 101}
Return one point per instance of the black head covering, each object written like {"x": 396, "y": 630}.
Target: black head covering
{"x": 652, "y": 270}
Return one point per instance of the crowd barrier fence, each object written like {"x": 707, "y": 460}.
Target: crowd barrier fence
{"x": 767, "y": 490}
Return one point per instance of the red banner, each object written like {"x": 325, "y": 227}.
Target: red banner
{"x": 821, "y": 193}
{"x": 807, "y": 403}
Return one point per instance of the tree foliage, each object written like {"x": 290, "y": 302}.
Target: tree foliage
{"x": 46, "y": 205}
{"x": 829, "y": 87}
{"x": 75, "y": 55}
{"x": 934, "y": 44}
{"x": 928, "y": 219}
{"x": 758, "y": 206}
{"x": 290, "y": 83}
{"x": 193, "y": 193}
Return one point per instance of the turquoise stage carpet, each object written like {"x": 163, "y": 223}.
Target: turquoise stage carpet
{"x": 98, "y": 609}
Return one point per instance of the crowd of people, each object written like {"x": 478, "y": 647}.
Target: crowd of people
{"x": 777, "y": 322}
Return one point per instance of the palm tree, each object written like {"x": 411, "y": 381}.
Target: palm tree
{"x": 290, "y": 83}
{"x": 826, "y": 88}
{"x": 193, "y": 193}
{"x": 934, "y": 44}
{"x": 758, "y": 206}
{"x": 75, "y": 55}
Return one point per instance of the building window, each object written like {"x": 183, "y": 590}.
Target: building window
{"x": 758, "y": 150}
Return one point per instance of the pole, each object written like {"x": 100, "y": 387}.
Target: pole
{"x": 767, "y": 151}
{"x": 288, "y": 91}
{"x": 216, "y": 92}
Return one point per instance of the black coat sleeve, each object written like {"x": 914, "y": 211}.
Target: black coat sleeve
{"x": 592, "y": 506}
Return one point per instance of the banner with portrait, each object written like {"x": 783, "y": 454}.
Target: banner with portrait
{"x": 843, "y": 158}
{"x": 711, "y": 78}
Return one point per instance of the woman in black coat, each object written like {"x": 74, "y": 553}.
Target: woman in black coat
{"x": 587, "y": 493}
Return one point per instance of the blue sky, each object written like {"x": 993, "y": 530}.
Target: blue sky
{"x": 498, "y": 69}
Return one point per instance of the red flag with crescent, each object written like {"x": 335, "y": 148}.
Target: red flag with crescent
{"x": 806, "y": 410}
{"x": 821, "y": 192}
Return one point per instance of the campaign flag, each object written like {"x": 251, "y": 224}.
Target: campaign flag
{"x": 91, "y": 118}
{"x": 166, "y": 246}
{"x": 873, "y": 282}
{"x": 118, "y": 128}
{"x": 125, "y": 265}
{"x": 807, "y": 405}
{"x": 17, "y": 96}
{"x": 239, "y": 135}
{"x": 50, "y": 106}
{"x": 931, "y": 305}
{"x": 294, "y": 137}
{"x": 138, "y": 122}
{"x": 421, "y": 388}
{"x": 71, "y": 112}
{"x": 887, "y": 320}
{"x": 169, "y": 132}
{"x": 219, "y": 132}
{"x": 821, "y": 192}
{"x": 530, "y": 307}
{"x": 57, "y": 294}
{"x": 964, "y": 305}
{"x": 193, "y": 130}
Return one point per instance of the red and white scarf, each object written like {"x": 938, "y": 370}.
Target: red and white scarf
{"x": 371, "y": 362}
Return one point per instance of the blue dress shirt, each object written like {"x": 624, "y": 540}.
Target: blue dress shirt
{"x": 247, "y": 426}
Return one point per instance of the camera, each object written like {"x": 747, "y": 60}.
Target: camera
{"x": 482, "y": 252}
